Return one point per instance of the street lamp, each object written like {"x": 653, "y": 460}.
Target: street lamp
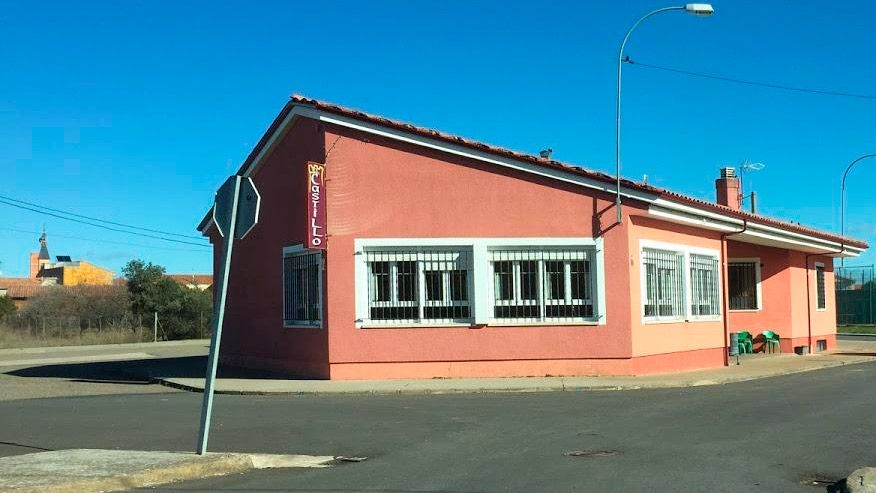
{"x": 843, "y": 203}
{"x": 699, "y": 9}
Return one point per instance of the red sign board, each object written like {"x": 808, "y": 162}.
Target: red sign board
{"x": 316, "y": 205}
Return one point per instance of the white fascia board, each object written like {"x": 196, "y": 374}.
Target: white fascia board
{"x": 208, "y": 226}
{"x": 683, "y": 217}
{"x": 682, "y": 214}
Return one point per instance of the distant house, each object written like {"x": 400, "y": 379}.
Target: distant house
{"x": 200, "y": 282}
{"x": 20, "y": 289}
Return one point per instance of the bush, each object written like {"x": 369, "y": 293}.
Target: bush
{"x": 183, "y": 313}
{"x": 79, "y": 306}
{"x": 7, "y": 306}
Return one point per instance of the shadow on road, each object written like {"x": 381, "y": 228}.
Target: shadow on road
{"x": 141, "y": 371}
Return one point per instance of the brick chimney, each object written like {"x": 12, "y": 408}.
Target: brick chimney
{"x": 727, "y": 188}
{"x": 34, "y": 264}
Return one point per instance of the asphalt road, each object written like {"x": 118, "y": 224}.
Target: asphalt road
{"x": 771, "y": 435}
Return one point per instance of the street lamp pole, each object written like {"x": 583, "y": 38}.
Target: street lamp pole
{"x": 843, "y": 203}
{"x": 701, "y": 9}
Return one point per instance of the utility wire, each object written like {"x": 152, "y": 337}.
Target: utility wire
{"x": 101, "y": 225}
{"x": 10, "y": 199}
{"x": 750, "y": 82}
{"x": 57, "y": 235}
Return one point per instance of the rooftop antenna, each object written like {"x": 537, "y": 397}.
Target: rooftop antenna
{"x": 746, "y": 167}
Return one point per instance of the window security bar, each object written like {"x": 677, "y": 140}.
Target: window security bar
{"x": 664, "y": 284}
{"x": 742, "y": 284}
{"x": 542, "y": 285}
{"x": 412, "y": 286}
{"x": 302, "y": 283}
{"x": 704, "y": 286}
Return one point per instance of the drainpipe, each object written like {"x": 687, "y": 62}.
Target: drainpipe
{"x": 726, "y": 287}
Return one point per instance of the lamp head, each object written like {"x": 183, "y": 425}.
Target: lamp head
{"x": 703, "y": 9}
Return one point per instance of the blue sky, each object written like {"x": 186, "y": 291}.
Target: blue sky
{"x": 136, "y": 111}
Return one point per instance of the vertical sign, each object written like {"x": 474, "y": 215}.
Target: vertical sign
{"x": 316, "y": 205}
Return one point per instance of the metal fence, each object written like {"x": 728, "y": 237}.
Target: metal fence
{"x": 855, "y": 295}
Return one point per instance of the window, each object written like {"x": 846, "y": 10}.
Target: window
{"x": 664, "y": 284}
{"x": 704, "y": 286}
{"x": 819, "y": 284}
{"x": 302, "y": 287}
{"x": 542, "y": 285}
{"x": 432, "y": 282}
{"x": 415, "y": 285}
{"x": 743, "y": 278}
{"x": 679, "y": 283}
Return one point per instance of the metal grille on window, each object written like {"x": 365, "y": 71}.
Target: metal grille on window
{"x": 542, "y": 285}
{"x": 819, "y": 282}
{"x": 302, "y": 289}
{"x": 742, "y": 284}
{"x": 664, "y": 284}
{"x": 414, "y": 286}
{"x": 704, "y": 286}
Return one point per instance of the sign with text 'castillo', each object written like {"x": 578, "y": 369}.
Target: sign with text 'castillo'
{"x": 316, "y": 205}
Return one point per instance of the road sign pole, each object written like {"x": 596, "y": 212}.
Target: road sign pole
{"x": 218, "y": 319}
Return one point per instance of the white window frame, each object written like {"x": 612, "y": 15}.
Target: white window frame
{"x": 481, "y": 282}
{"x": 685, "y": 251}
{"x": 299, "y": 250}
{"x": 416, "y": 255}
{"x": 815, "y": 274}
{"x": 757, "y": 279}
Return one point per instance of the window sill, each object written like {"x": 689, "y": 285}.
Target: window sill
{"x": 371, "y": 325}
{"x": 300, "y": 326}
{"x": 746, "y": 310}
{"x": 680, "y": 320}
{"x": 472, "y": 325}
{"x": 541, "y": 323}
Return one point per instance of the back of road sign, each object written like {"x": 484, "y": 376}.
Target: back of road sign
{"x": 247, "y": 207}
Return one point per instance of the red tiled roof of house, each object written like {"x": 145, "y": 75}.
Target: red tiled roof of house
{"x": 196, "y": 279}
{"x": 20, "y": 287}
{"x": 529, "y": 158}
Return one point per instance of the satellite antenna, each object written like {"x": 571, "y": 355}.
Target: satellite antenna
{"x": 746, "y": 167}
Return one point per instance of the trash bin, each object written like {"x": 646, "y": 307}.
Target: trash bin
{"x": 734, "y": 344}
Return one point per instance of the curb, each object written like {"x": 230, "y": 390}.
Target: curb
{"x": 561, "y": 386}
{"x": 219, "y": 465}
{"x": 71, "y": 476}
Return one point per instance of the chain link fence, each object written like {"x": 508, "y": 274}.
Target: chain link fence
{"x": 855, "y": 295}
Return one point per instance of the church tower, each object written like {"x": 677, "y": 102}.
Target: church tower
{"x": 39, "y": 260}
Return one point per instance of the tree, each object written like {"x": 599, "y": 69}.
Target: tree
{"x": 7, "y": 306}
{"x": 181, "y": 311}
{"x": 150, "y": 290}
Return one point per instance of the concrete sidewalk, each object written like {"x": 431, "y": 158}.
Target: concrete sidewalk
{"x": 90, "y": 470}
{"x": 752, "y": 367}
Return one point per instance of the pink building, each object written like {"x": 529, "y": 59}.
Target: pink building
{"x": 416, "y": 254}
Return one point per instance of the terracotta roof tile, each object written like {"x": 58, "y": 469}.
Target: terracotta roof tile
{"x": 192, "y": 278}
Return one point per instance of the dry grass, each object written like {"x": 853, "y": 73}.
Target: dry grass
{"x": 10, "y": 338}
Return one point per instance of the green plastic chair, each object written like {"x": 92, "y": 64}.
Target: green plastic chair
{"x": 745, "y": 342}
{"x": 771, "y": 341}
